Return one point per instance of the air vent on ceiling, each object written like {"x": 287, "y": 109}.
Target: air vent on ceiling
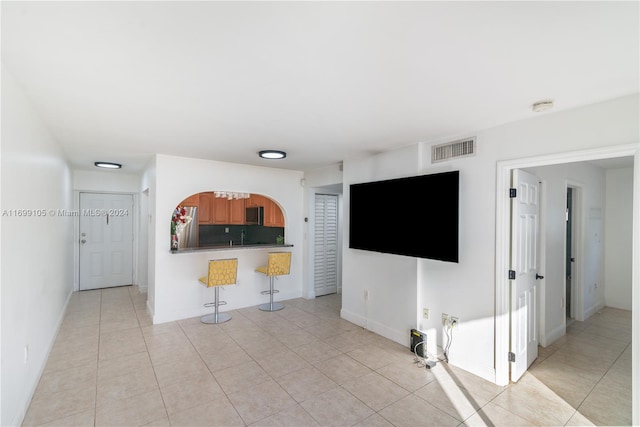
{"x": 461, "y": 148}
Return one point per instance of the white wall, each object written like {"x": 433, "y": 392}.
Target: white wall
{"x": 618, "y": 238}
{"x": 36, "y": 251}
{"x": 176, "y": 291}
{"x": 390, "y": 281}
{"x": 467, "y": 289}
{"x": 106, "y": 181}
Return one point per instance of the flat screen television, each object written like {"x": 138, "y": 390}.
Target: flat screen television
{"x": 415, "y": 216}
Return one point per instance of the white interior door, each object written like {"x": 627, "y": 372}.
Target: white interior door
{"x": 326, "y": 244}
{"x": 525, "y": 235}
{"x": 106, "y": 240}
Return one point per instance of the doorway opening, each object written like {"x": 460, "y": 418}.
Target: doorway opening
{"x": 503, "y": 237}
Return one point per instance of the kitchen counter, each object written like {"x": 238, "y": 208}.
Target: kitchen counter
{"x": 232, "y": 247}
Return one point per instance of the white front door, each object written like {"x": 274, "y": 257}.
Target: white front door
{"x": 106, "y": 240}
{"x": 326, "y": 245}
{"x": 525, "y": 235}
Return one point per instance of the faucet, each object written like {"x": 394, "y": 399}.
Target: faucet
{"x": 241, "y": 237}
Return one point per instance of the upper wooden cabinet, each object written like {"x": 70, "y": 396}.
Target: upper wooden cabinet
{"x": 227, "y": 211}
{"x": 236, "y": 211}
{"x": 220, "y": 210}
{"x": 205, "y": 208}
{"x": 256, "y": 200}
{"x": 193, "y": 200}
{"x": 273, "y": 216}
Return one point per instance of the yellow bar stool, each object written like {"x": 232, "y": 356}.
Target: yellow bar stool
{"x": 278, "y": 264}
{"x": 221, "y": 272}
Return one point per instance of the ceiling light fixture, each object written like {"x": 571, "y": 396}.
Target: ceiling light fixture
{"x": 544, "y": 105}
{"x": 272, "y": 154}
{"x": 108, "y": 165}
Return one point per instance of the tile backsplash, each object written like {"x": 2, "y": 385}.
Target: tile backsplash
{"x": 213, "y": 235}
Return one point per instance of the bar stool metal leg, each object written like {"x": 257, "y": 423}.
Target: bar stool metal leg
{"x": 216, "y": 317}
{"x": 271, "y": 306}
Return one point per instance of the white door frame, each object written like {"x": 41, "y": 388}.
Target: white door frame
{"x": 577, "y": 298}
{"x": 503, "y": 220}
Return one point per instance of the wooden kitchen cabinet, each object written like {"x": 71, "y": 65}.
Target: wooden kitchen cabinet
{"x": 273, "y": 216}
{"x": 205, "y": 208}
{"x": 193, "y": 200}
{"x": 220, "y": 210}
{"x": 227, "y": 211}
{"x": 256, "y": 200}
{"x": 236, "y": 211}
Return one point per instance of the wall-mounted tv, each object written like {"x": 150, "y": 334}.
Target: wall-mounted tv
{"x": 415, "y": 216}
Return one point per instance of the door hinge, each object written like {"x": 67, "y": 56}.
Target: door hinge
{"x": 513, "y": 193}
{"x": 512, "y": 275}
{"x": 512, "y": 356}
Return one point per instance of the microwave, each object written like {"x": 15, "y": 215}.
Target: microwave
{"x": 254, "y": 215}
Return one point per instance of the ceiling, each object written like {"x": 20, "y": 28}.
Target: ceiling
{"x": 323, "y": 81}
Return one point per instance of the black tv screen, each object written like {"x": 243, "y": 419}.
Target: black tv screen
{"x": 415, "y": 216}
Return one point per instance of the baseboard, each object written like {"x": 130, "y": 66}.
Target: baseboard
{"x": 401, "y": 337}
{"x": 149, "y": 309}
{"x": 550, "y": 337}
{"x": 20, "y": 416}
{"x": 593, "y": 310}
{"x": 353, "y": 318}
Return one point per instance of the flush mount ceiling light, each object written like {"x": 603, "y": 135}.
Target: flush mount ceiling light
{"x": 108, "y": 165}
{"x": 272, "y": 154}
{"x": 544, "y": 105}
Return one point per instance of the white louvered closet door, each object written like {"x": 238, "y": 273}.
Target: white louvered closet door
{"x": 326, "y": 244}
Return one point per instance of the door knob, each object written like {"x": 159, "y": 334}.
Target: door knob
{"x": 538, "y": 277}
{"x": 83, "y": 241}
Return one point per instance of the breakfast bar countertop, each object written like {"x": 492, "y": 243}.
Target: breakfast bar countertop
{"x": 231, "y": 247}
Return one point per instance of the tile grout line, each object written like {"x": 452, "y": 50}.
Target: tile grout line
{"x": 95, "y": 404}
{"x": 155, "y": 376}
{"x": 258, "y": 363}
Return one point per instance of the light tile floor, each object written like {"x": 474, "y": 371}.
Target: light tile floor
{"x": 304, "y": 366}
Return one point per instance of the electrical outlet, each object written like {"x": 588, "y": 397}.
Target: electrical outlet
{"x": 454, "y": 321}
{"x": 445, "y": 319}
{"x": 26, "y": 353}
{"x": 425, "y": 313}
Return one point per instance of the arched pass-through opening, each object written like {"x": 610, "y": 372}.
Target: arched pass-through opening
{"x": 225, "y": 218}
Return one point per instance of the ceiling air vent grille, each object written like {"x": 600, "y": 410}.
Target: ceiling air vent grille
{"x": 461, "y": 148}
